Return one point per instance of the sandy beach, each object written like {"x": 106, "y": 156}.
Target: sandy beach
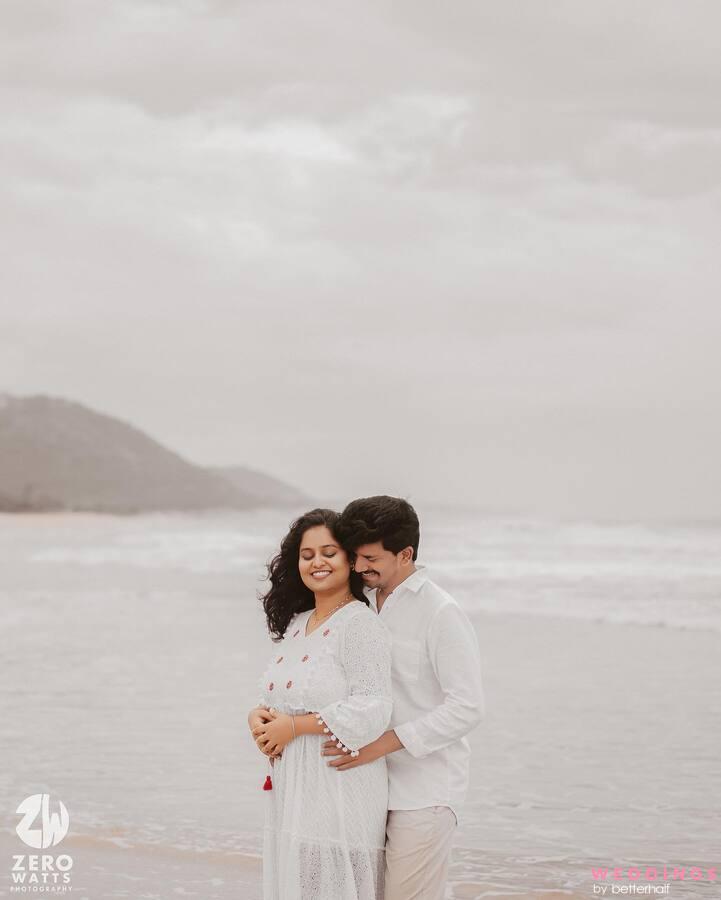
{"x": 147, "y": 873}
{"x": 128, "y": 675}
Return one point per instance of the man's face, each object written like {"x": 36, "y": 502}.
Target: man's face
{"x": 379, "y": 567}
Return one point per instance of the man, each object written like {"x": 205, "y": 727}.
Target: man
{"x": 437, "y": 696}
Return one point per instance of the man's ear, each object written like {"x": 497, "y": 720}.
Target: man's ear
{"x": 406, "y": 555}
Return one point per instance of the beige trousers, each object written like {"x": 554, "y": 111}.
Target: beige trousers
{"x": 418, "y": 850}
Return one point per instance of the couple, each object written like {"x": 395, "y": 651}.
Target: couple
{"x": 363, "y": 710}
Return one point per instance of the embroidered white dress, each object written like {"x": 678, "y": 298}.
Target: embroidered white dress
{"x": 325, "y": 830}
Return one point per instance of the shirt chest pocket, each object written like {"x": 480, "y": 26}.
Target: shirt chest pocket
{"x": 406, "y": 660}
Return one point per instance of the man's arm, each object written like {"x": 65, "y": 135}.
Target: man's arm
{"x": 456, "y": 662}
{"x": 385, "y": 744}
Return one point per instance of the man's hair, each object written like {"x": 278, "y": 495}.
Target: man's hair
{"x": 391, "y": 520}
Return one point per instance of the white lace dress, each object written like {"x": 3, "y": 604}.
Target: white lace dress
{"x": 325, "y": 830}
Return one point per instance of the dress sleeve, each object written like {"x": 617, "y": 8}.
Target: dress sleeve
{"x": 365, "y": 713}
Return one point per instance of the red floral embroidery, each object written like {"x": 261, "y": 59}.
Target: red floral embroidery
{"x": 326, "y": 632}
{"x": 289, "y": 685}
{"x": 297, "y": 633}
{"x": 305, "y": 658}
{"x": 280, "y": 659}
{"x": 270, "y": 686}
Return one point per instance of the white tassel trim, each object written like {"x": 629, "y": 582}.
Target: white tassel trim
{"x": 339, "y": 744}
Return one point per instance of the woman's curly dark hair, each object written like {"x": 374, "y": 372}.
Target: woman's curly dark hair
{"x": 288, "y": 595}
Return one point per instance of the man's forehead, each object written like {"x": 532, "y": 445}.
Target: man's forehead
{"x": 371, "y": 549}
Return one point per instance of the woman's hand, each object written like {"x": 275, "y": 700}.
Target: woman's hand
{"x": 274, "y": 736}
{"x": 258, "y": 716}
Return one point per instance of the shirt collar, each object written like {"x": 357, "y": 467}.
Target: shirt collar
{"x": 413, "y": 583}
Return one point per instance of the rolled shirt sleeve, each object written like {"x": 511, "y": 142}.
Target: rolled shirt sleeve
{"x": 365, "y": 714}
{"x": 455, "y": 657}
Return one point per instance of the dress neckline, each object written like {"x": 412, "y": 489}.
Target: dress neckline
{"x": 325, "y": 624}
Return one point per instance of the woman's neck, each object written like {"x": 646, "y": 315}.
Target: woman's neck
{"x": 328, "y": 600}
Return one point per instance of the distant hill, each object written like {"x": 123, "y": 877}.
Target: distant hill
{"x": 60, "y": 455}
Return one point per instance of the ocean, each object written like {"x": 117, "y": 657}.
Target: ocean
{"x": 132, "y": 647}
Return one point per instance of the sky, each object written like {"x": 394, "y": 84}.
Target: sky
{"x": 465, "y": 254}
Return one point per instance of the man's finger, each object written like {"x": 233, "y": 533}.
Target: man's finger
{"x": 347, "y": 764}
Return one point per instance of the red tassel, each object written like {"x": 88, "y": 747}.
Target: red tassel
{"x": 268, "y": 786}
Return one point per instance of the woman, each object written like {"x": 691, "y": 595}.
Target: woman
{"x": 329, "y": 676}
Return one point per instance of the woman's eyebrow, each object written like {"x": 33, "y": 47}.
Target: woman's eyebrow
{"x": 323, "y": 546}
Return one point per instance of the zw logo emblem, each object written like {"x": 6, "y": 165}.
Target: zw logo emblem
{"x": 53, "y": 827}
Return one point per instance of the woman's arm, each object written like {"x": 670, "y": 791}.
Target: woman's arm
{"x": 364, "y": 715}
{"x": 359, "y": 718}
{"x": 273, "y": 735}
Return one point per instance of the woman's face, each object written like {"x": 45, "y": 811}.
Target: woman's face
{"x": 322, "y": 562}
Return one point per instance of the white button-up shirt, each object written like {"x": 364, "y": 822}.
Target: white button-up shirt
{"x": 437, "y": 694}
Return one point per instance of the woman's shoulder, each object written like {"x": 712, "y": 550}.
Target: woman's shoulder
{"x": 359, "y": 608}
{"x": 361, "y": 616}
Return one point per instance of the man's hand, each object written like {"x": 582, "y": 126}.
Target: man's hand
{"x": 386, "y": 743}
{"x": 274, "y": 736}
{"x": 345, "y": 761}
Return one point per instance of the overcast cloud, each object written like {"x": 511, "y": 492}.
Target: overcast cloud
{"x": 462, "y": 252}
